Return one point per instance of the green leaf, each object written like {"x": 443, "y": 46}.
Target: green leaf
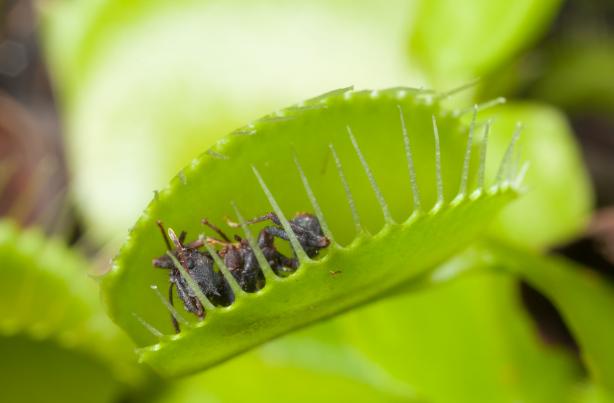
{"x": 591, "y": 393}
{"x": 359, "y": 266}
{"x": 266, "y": 379}
{"x": 153, "y": 83}
{"x": 313, "y": 364}
{"x": 454, "y": 42}
{"x": 558, "y": 199}
{"x": 35, "y": 370}
{"x": 482, "y": 308}
{"x": 468, "y": 340}
{"x": 577, "y": 76}
{"x": 585, "y": 300}
{"x": 53, "y": 332}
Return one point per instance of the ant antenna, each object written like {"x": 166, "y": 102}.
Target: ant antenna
{"x": 170, "y": 301}
{"x": 178, "y": 246}
{"x": 164, "y": 236}
{"x": 176, "y": 241}
{"x": 215, "y": 228}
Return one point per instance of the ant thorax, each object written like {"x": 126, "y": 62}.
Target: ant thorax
{"x": 242, "y": 263}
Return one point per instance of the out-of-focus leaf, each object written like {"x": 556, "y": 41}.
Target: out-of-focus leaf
{"x": 456, "y": 41}
{"x": 56, "y": 343}
{"x": 147, "y": 86}
{"x": 558, "y": 198}
{"x": 472, "y": 335}
{"x": 591, "y": 393}
{"x": 465, "y": 341}
{"x": 585, "y": 300}
{"x": 253, "y": 378}
{"x": 313, "y": 364}
{"x": 34, "y": 370}
{"x": 578, "y": 76}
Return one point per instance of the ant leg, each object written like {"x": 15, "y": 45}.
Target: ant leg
{"x": 200, "y": 311}
{"x": 199, "y": 243}
{"x": 184, "y": 295}
{"x": 214, "y": 241}
{"x": 290, "y": 263}
{"x": 279, "y": 232}
{"x": 182, "y": 236}
{"x": 277, "y": 260}
{"x": 164, "y": 236}
{"x": 170, "y": 300}
{"x": 270, "y": 216}
{"x": 266, "y": 240}
{"x": 216, "y": 229}
{"x": 276, "y": 232}
{"x": 272, "y": 232}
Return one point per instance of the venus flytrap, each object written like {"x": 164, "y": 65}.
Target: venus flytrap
{"x": 53, "y": 331}
{"x": 393, "y": 179}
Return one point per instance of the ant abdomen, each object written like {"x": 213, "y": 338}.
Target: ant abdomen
{"x": 242, "y": 263}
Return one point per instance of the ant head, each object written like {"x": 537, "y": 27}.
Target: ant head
{"x": 313, "y": 242}
{"x": 308, "y": 223}
{"x": 311, "y": 237}
{"x": 163, "y": 262}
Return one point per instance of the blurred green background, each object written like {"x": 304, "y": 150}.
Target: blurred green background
{"x": 103, "y": 101}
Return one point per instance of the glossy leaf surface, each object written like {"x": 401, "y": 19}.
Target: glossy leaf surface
{"x": 358, "y": 267}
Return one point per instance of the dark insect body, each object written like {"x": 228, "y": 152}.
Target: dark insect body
{"x": 200, "y": 267}
{"x": 238, "y": 257}
{"x": 306, "y": 228}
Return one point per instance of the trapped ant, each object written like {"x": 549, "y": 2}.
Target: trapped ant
{"x": 239, "y": 258}
{"x": 306, "y": 228}
{"x": 200, "y": 266}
